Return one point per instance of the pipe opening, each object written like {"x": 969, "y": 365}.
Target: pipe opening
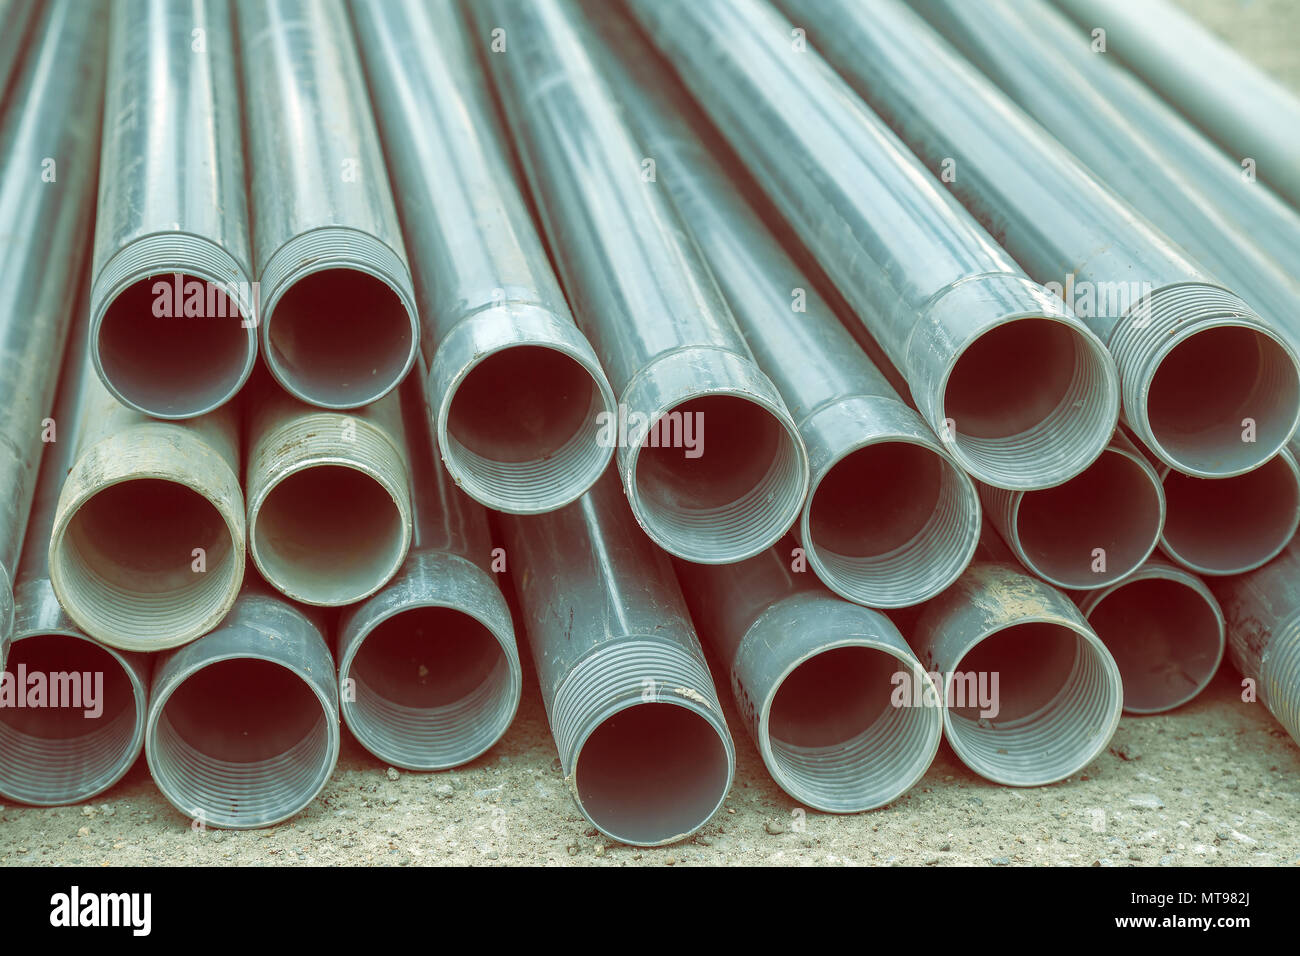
{"x": 1094, "y": 529}
{"x": 1049, "y": 712}
{"x": 328, "y": 534}
{"x": 61, "y": 754}
{"x": 652, "y": 773}
{"x": 1206, "y": 388}
{"x": 834, "y": 738}
{"x": 433, "y": 689}
{"x": 178, "y": 365}
{"x": 1232, "y": 525}
{"x": 129, "y": 569}
{"x": 522, "y": 429}
{"x": 1166, "y": 637}
{"x": 243, "y": 741}
{"x": 726, "y": 481}
{"x": 891, "y": 524}
{"x": 1031, "y": 403}
{"x": 340, "y": 338}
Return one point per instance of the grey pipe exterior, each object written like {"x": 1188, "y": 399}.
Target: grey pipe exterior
{"x": 17, "y": 17}
{"x": 1207, "y": 384}
{"x": 1232, "y": 525}
{"x": 1032, "y": 694}
{"x": 147, "y": 548}
{"x": 710, "y": 458}
{"x": 49, "y": 142}
{"x": 1088, "y": 532}
{"x": 80, "y": 744}
{"x": 329, "y": 497}
{"x": 338, "y": 319}
{"x": 518, "y": 392}
{"x": 1200, "y": 202}
{"x": 429, "y": 670}
{"x": 172, "y": 308}
{"x": 891, "y": 519}
{"x": 642, "y": 741}
{"x": 1247, "y": 111}
{"x": 243, "y": 728}
{"x": 1262, "y": 610}
{"x": 1165, "y": 630}
{"x": 1024, "y": 393}
{"x": 841, "y": 711}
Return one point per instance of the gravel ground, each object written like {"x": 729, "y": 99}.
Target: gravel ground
{"x": 1216, "y": 782}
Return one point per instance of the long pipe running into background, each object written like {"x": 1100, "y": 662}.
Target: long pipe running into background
{"x": 329, "y": 497}
{"x": 1207, "y": 384}
{"x": 1090, "y": 531}
{"x": 1024, "y": 394}
{"x": 147, "y": 548}
{"x": 1165, "y": 630}
{"x": 1032, "y": 694}
{"x": 842, "y": 712}
{"x": 1233, "y": 100}
{"x": 338, "y": 319}
{"x": 87, "y": 736}
{"x": 516, "y": 389}
{"x": 710, "y": 458}
{"x": 1136, "y": 144}
{"x": 173, "y": 323}
{"x": 891, "y": 519}
{"x": 642, "y": 741}
{"x": 428, "y": 667}
{"x": 49, "y": 144}
{"x": 243, "y": 726}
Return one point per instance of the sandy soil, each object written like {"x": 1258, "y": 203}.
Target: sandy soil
{"x": 1216, "y": 782}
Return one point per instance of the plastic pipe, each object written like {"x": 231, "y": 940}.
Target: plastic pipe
{"x": 338, "y": 319}
{"x": 642, "y": 741}
{"x": 90, "y": 729}
{"x": 329, "y": 497}
{"x": 1091, "y": 531}
{"x": 428, "y": 668}
{"x": 1165, "y": 630}
{"x": 1025, "y": 394}
{"x": 1032, "y": 693}
{"x": 1262, "y": 610}
{"x": 173, "y": 306}
{"x": 1232, "y": 525}
{"x": 518, "y": 392}
{"x": 243, "y": 727}
{"x": 710, "y": 458}
{"x": 1207, "y": 384}
{"x": 48, "y": 146}
{"x": 891, "y": 519}
{"x": 843, "y": 715}
{"x": 1137, "y": 144}
{"x": 1247, "y": 111}
{"x": 147, "y": 548}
